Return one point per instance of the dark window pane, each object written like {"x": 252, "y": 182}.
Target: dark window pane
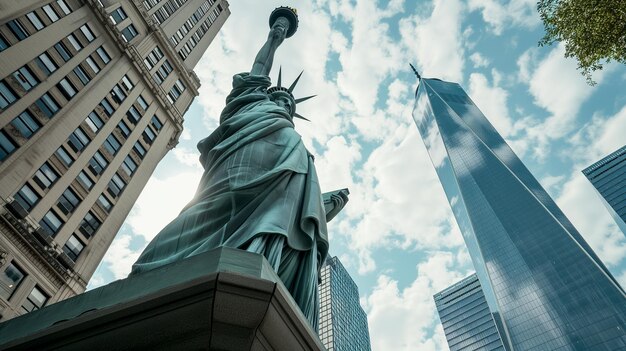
{"x": 94, "y": 66}
{"x": 51, "y": 222}
{"x": 26, "y": 124}
{"x": 67, "y": 88}
{"x": 129, "y": 33}
{"x": 10, "y": 279}
{"x": 118, "y": 94}
{"x": 35, "y": 300}
{"x": 75, "y": 43}
{"x": 45, "y": 176}
{"x": 111, "y": 144}
{"x": 62, "y": 50}
{"x": 156, "y": 123}
{"x": 35, "y": 20}
{"x": 78, "y": 140}
{"x": 105, "y": 203}
{"x": 17, "y": 29}
{"x": 118, "y": 15}
{"x": 133, "y": 115}
{"x": 73, "y": 247}
{"x": 148, "y": 135}
{"x": 62, "y": 154}
{"x": 84, "y": 180}
{"x": 89, "y": 225}
{"x": 103, "y": 55}
{"x": 139, "y": 149}
{"x": 7, "y": 96}
{"x": 7, "y": 145}
{"x": 3, "y": 43}
{"x": 46, "y": 63}
{"x": 47, "y": 105}
{"x": 68, "y": 201}
{"x": 106, "y": 105}
{"x": 27, "y": 197}
{"x": 123, "y": 128}
{"x": 26, "y": 78}
{"x": 82, "y": 75}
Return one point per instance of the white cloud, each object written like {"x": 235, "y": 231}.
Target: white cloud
{"x": 479, "y": 60}
{"x": 514, "y": 13}
{"x": 120, "y": 257}
{"x": 187, "y": 156}
{"x": 435, "y": 41}
{"x": 407, "y": 319}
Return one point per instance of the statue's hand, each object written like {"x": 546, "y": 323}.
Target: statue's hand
{"x": 279, "y": 30}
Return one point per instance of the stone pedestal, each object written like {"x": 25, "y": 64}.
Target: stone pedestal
{"x": 225, "y": 299}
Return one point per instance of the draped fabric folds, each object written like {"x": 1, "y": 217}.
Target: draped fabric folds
{"x": 259, "y": 192}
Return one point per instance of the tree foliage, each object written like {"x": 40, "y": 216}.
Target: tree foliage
{"x": 593, "y": 31}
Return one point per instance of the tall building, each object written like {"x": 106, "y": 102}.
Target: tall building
{"x": 608, "y": 176}
{"x": 92, "y": 96}
{"x": 343, "y": 323}
{"x": 466, "y": 319}
{"x": 546, "y": 287}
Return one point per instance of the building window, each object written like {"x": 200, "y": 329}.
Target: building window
{"x": 47, "y": 105}
{"x": 51, "y": 13}
{"x": 176, "y": 91}
{"x": 129, "y": 166}
{"x": 67, "y": 88}
{"x": 10, "y": 279}
{"x": 3, "y": 43}
{"x": 7, "y": 96}
{"x": 148, "y": 135}
{"x": 105, "y": 203}
{"x": 26, "y": 124}
{"x": 78, "y": 140}
{"x": 66, "y": 9}
{"x": 35, "y": 20}
{"x": 129, "y": 33}
{"x": 45, "y": 176}
{"x": 51, "y": 222}
{"x": 94, "y": 121}
{"x": 84, "y": 180}
{"x": 68, "y": 201}
{"x": 139, "y": 150}
{"x": 106, "y": 105}
{"x": 153, "y": 57}
{"x": 35, "y": 300}
{"x": 73, "y": 247}
{"x": 118, "y": 94}
{"x": 98, "y": 163}
{"x": 112, "y": 145}
{"x": 156, "y": 123}
{"x": 82, "y": 75}
{"x": 116, "y": 185}
{"x": 18, "y": 29}
{"x": 26, "y": 78}
{"x": 94, "y": 66}
{"x": 86, "y": 30}
{"x": 63, "y": 52}
{"x": 104, "y": 55}
{"x": 127, "y": 83}
{"x": 142, "y": 102}
{"x": 123, "y": 128}
{"x": 27, "y": 197}
{"x": 7, "y": 146}
{"x": 133, "y": 115}
{"x": 64, "y": 157}
{"x": 46, "y": 63}
{"x": 89, "y": 225}
{"x": 75, "y": 43}
{"x": 118, "y": 15}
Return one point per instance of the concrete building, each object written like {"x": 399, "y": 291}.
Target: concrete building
{"x": 92, "y": 96}
{"x": 465, "y": 317}
{"x": 343, "y": 323}
{"x": 545, "y": 286}
{"x": 608, "y": 176}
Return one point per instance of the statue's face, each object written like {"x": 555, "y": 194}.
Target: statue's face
{"x": 285, "y": 102}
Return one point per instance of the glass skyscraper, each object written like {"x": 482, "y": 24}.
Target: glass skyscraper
{"x": 343, "y": 323}
{"x": 544, "y": 285}
{"x": 608, "y": 176}
{"x": 466, "y": 319}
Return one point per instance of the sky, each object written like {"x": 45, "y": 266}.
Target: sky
{"x": 397, "y": 236}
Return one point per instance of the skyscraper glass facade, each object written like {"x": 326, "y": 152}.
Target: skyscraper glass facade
{"x": 466, "y": 319}
{"x": 608, "y": 176}
{"x": 545, "y": 286}
{"x": 343, "y": 323}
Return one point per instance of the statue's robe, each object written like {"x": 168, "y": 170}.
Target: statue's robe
{"x": 259, "y": 192}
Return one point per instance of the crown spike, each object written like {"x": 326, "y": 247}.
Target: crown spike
{"x": 293, "y": 85}
{"x": 300, "y": 116}
{"x": 280, "y": 70}
{"x": 304, "y": 99}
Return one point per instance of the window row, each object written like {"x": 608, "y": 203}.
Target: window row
{"x": 175, "y": 92}
{"x": 153, "y": 57}
{"x": 20, "y": 82}
{"x": 166, "y": 10}
{"x": 191, "y": 21}
{"x": 195, "y": 38}
{"x": 29, "y": 121}
{"x": 10, "y": 279}
{"x": 34, "y": 21}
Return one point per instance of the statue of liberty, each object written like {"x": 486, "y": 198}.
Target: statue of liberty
{"x": 259, "y": 191}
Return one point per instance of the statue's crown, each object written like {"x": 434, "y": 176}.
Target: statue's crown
{"x": 289, "y": 91}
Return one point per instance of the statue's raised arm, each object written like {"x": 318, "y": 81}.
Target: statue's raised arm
{"x": 283, "y": 24}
